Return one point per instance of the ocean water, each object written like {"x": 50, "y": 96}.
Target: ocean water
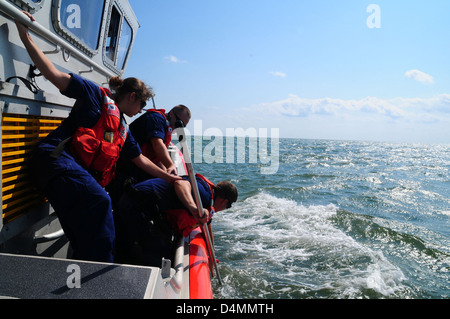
{"x": 340, "y": 219}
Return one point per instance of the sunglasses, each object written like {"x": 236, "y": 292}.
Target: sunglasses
{"x": 178, "y": 121}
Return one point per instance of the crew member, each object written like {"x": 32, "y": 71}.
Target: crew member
{"x": 73, "y": 163}
{"x": 153, "y": 131}
{"x": 153, "y": 213}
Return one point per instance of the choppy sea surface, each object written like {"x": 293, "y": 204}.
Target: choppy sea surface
{"x": 339, "y": 219}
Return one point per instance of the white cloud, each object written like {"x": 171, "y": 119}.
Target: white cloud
{"x": 414, "y": 120}
{"x": 419, "y": 76}
{"x": 174, "y": 59}
{"x": 407, "y": 108}
{"x": 295, "y": 106}
{"x": 279, "y": 74}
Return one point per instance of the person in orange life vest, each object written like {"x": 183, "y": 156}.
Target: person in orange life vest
{"x": 153, "y": 132}
{"x": 154, "y": 212}
{"x": 72, "y": 181}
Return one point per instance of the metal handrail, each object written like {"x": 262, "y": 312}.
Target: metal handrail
{"x": 198, "y": 201}
{"x": 49, "y": 237}
{"x": 177, "y": 279}
{"x": 37, "y": 28}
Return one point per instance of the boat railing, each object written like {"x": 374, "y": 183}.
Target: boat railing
{"x": 174, "y": 281}
{"x": 49, "y": 237}
{"x": 60, "y": 44}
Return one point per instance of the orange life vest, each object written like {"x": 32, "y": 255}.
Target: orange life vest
{"x": 182, "y": 221}
{"x": 98, "y": 148}
{"x": 147, "y": 149}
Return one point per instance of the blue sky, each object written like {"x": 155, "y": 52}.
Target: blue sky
{"x": 312, "y": 69}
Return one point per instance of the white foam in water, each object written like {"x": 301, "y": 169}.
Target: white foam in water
{"x": 274, "y": 241}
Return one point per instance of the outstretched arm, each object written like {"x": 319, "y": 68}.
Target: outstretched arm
{"x": 183, "y": 190}
{"x": 60, "y": 79}
{"x": 152, "y": 169}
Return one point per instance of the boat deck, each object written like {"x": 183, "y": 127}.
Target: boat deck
{"x": 29, "y": 277}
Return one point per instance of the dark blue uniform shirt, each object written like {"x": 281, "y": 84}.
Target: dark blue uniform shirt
{"x": 147, "y": 126}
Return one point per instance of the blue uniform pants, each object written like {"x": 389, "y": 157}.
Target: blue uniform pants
{"x": 81, "y": 204}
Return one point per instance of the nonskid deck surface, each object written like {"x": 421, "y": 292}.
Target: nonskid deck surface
{"x": 29, "y": 277}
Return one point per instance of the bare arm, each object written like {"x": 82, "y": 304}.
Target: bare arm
{"x": 163, "y": 154}
{"x": 60, "y": 79}
{"x": 150, "y": 168}
{"x": 183, "y": 190}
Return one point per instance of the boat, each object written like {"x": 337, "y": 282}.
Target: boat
{"x": 92, "y": 39}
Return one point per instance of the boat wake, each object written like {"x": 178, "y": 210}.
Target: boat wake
{"x": 276, "y": 248}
